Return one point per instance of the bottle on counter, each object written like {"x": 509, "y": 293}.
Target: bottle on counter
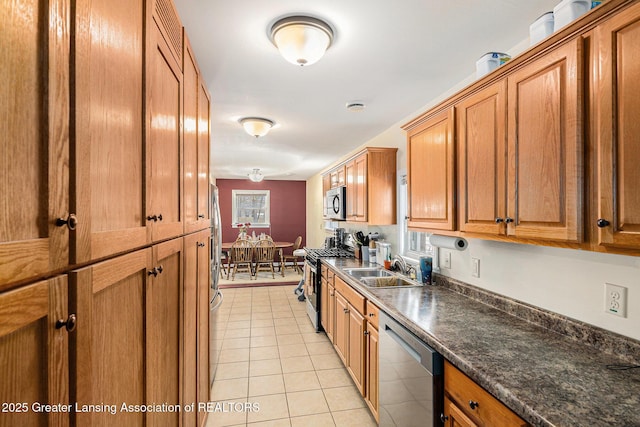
{"x": 425, "y": 269}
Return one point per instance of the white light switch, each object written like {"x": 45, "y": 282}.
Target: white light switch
{"x": 475, "y": 267}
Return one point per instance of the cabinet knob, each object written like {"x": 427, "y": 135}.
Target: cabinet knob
{"x": 160, "y": 217}
{"x": 200, "y": 245}
{"x": 366, "y": 333}
{"x": 371, "y": 314}
{"x": 201, "y": 216}
{"x": 346, "y": 310}
{"x": 499, "y": 220}
{"x": 508, "y": 220}
{"x": 71, "y": 221}
{"x": 159, "y": 269}
{"x": 602, "y": 223}
{"x": 69, "y": 324}
{"x": 473, "y": 404}
{"x": 153, "y": 272}
{"x": 444, "y": 418}
{"x": 153, "y": 218}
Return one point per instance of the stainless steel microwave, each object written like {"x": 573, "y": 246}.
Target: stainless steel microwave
{"x": 335, "y": 202}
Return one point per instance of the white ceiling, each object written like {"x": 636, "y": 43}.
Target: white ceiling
{"x": 395, "y": 56}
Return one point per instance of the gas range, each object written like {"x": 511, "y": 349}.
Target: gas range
{"x": 314, "y": 255}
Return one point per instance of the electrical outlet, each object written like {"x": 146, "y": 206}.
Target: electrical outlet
{"x": 446, "y": 259}
{"x": 615, "y": 298}
{"x": 475, "y": 267}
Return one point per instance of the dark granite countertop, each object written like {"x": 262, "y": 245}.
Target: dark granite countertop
{"x": 547, "y": 378}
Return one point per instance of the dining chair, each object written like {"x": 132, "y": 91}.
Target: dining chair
{"x": 294, "y": 257}
{"x": 241, "y": 257}
{"x": 265, "y": 251}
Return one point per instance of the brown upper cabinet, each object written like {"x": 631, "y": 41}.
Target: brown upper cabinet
{"x": 195, "y": 124}
{"x": 617, "y": 130}
{"x": 338, "y": 177}
{"x": 109, "y": 185}
{"x": 34, "y": 154}
{"x": 431, "y": 173}
{"x": 370, "y": 178}
{"x": 528, "y": 184}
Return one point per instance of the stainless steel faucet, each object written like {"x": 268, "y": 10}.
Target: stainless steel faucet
{"x": 400, "y": 263}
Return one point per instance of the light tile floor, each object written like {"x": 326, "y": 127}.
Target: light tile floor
{"x": 271, "y": 358}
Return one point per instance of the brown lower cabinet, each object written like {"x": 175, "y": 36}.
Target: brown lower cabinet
{"x": 33, "y": 353}
{"x": 466, "y": 404}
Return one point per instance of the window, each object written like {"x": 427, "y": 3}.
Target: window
{"x": 414, "y": 244}
{"x": 250, "y": 206}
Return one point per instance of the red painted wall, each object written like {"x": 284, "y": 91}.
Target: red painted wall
{"x": 288, "y": 208}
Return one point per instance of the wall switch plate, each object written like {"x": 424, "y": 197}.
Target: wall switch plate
{"x": 475, "y": 267}
{"x": 615, "y": 298}
{"x": 446, "y": 259}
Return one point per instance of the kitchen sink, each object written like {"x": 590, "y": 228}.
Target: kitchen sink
{"x": 388, "y": 282}
{"x": 377, "y": 277}
{"x": 368, "y": 272}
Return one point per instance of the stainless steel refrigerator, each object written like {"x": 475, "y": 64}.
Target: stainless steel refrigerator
{"x": 215, "y": 295}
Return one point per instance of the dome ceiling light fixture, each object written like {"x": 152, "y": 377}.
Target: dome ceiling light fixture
{"x": 256, "y": 126}
{"x": 255, "y": 175}
{"x": 301, "y": 40}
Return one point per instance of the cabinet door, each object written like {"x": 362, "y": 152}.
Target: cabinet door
{"x": 617, "y": 89}
{"x": 356, "y": 352}
{"x": 331, "y": 312}
{"x": 372, "y": 376}
{"x": 545, "y": 179}
{"x": 360, "y": 207}
{"x": 341, "y": 334}
{"x": 482, "y": 152}
{"x": 454, "y": 417}
{"x": 190, "y": 139}
{"x": 190, "y": 329}
{"x": 324, "y": 303}
{"x": 34, "y": 153}
{"x": 164, "y": 336}
{"x": 204, "y": 132}
{"x": 430, "y": 176}
{"x": 108, "y": 348}
{"x": 326, "y": 185}
{"x": 164, "y": 140}
{"x": 109, "y": 185}
{"x": 204, "y": 274}
{"x": 34, "y": 353}
{"x": 350, "y": 174}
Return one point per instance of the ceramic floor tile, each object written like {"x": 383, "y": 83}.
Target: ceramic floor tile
{"x": 241, "y": 324}
{"x": 326, "y": 361}
{"x": 306, "y": 328}
{"x": 264, "y": 367}
{"x": 354, "y": 418}
{"x": 282, "y": 322}
{"x": 240, "y": 318}
{"x": 261, "y": 323}
{"x": 338, "y": 377}
{"x": 342, "y": 398}
{"x": 234, "y": 355}
{"x": 223, "y": 417}
{"x": 283, "y": 314}
{"x": 266, "y": 341}
{"x": 259, "y": 316}
{"x": 270, "y": 407}
{"x": 263, "y": 353}
{"x": 261, "y": 332}
{"x": 318, "y": 420}
{"x": 235, "y": 342}
{"x": 306, "y": 403}
{"x": 241, "y": 310}
{"x": 315, "y": 337}
{"x": 287, "y": 330}
{"x": 301, "y": 381}
{"x": 236, "y": 388}
{"x": 284, "y": 422}
{"x": 267, "y": 384}
{"x": 292, "y": 350}
{"x": 237, "y": 333}
{"x": 296, "y": 364}
{"x": 290, "y": 339}
{"x": 227, "y": 371}
{"x": 317, "y": 348}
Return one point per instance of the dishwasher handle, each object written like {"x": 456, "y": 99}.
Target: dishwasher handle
{"x": 421, "y": 352}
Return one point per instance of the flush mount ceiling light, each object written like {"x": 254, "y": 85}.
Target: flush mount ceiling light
{"x": 355, "y": 106}
{"x": 301, "y": 40}
{"x": 256, "y": 176}
{"x": 256, "y": 126}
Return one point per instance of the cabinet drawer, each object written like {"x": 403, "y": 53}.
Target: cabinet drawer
{"x": 476, "y": 402}
{"x": 373, "y": 313}
{"x": 355, "y": 299}
{"x": 326, "y": 273}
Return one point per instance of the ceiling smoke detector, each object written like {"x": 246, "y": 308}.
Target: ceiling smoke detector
{"x": 355, "y": 106}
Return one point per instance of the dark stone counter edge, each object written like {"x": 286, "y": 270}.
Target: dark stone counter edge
{"x": 605, "y": 340}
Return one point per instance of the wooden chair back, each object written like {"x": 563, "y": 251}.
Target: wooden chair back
{"x": 241, "y": 251}
{"x": 297, "y": 243}
{"x": 265, "y": 250}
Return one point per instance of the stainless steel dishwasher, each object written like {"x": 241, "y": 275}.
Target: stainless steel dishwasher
{"x": 411, "y": 378}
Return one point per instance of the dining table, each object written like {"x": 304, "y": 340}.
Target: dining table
{"x": 226, "y": 247}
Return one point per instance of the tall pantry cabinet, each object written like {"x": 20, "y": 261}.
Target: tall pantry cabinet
{"x": 98, "y": 303}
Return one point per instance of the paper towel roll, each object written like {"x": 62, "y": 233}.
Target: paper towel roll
{"x": 448, "y": 242}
